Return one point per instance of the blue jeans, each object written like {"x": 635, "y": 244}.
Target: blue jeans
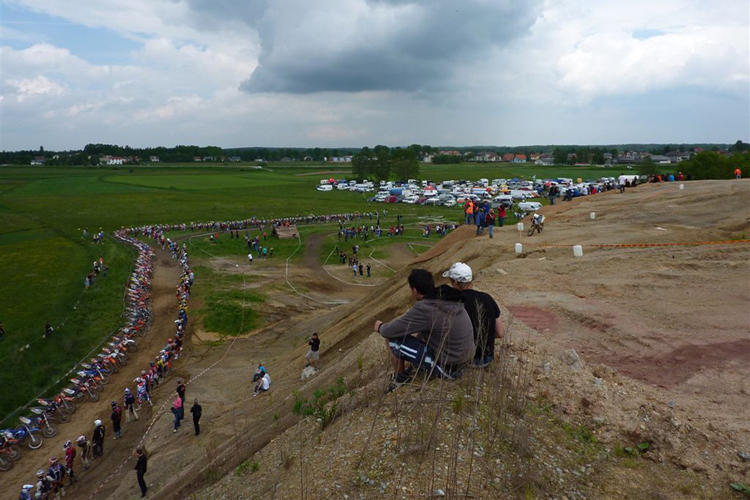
{"x": 469, "y": 219}
{"x": 501, "y": 221}
{"x": 490, "y": 227}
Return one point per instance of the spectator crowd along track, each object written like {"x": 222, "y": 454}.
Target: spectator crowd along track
{"x": 94, "y": 375}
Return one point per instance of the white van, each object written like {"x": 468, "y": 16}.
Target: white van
{"x": 325, "y": 187}
{"x": 529, "y": 206}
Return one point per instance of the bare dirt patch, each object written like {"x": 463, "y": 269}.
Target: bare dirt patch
{"x": 538, "y": 319}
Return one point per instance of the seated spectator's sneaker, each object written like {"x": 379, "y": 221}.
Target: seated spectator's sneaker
{"x": 397, "y": 380}
{"x": 482, "y": 362}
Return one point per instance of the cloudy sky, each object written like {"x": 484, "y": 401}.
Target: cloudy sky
{"x": 364, "y": 72}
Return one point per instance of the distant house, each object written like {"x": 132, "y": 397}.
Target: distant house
{"x": 286, "y": 159}
{"x": 519, "y": 159}
{"x": 544, "y": 161}
{"x": 209, "y": 158}
{"x": 307, "y": 158}
{"x": 111, "y": 160}
{"x": 677, "y": 156}
{"x": 452, "y": 152}
{"x": 427, "y": 159}
{"x": 235, "y": 158}
{"x": 508, "y": 157}
{"x": 196, "y": 158}
{"x": 38, "y": 160}
{"x": 534, "y": 157}
{"x": 341, "y": 159}
{"x": 487, "y": 157}
{"x": 154, "y": 159}
{"x": 660, "y": 159}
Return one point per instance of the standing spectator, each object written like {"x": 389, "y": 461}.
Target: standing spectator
{"x": 85, "y": 446}
{"x": 250, "y": 258}
{"x": 361, "y": 270}
{"x": 176, "y": 411}
{"x": 313, "y": 355}
{"x": 116, "y": 417}
{"x": 48, "y": 330}
{"x": 501, "y": 215}
{"x": 181, "y": 392}
{"x": 70, "y": 455}
{"x": 489, "y": 220}
{"x": 130, "y": 405}
{"x": 140, "y": 467}
{"x": 479, "y": 214}
{"x": 354, "y": 269}
{"x": 737, "y": 173}
{"x": 368, "y": 270}
{"x": 98, "y": 439}
{"x": 469, "y": 211}
{"x": 196, "y": 410}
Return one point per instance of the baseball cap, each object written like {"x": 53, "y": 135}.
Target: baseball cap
{"x": 459, "y": 272}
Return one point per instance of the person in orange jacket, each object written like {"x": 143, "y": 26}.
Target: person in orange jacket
{"x": 469, "y": 211}
{"x": 738, "y": 173}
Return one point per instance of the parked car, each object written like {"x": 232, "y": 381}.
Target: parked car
{"x": 529, "y": 206}
{"x": 325, "y": 187}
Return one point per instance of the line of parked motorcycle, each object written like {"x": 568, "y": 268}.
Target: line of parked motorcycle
{"x": 41, "y": 421}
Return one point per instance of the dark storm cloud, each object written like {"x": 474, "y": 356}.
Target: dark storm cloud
{"x": 381, "y": 44}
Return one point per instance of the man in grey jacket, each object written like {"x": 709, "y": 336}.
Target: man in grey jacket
{"x": 444, "y": 340}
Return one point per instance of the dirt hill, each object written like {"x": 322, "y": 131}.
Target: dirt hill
{"x": 623, "y": 374}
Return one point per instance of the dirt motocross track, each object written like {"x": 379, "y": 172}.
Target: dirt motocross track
{"x": 664, "y": 329}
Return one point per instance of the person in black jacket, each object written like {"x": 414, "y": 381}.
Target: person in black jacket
{"x": 140, "y": 468}
{"x": 98, "y": 439}
{"x": 196, "y": 410}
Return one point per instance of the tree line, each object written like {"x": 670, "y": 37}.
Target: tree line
{"x": 382, "y": 163}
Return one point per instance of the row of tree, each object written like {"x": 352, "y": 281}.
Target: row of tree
{"x": 706, "y": 165}
{"x": 382, "y": 163}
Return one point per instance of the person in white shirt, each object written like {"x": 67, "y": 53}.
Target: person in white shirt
{"x": 250, "y": 258}
{"x": 263, "y": 385}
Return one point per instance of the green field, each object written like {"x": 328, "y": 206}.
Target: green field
{"x": 43, "y": 257}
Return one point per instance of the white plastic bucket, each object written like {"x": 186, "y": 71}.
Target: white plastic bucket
{"x": 519, "y": 248}
{"x": 578, "y": 250}
{"x": 682, "y": 186}
{"x": 520, "y": 226}
{"x": 592, "y": 215}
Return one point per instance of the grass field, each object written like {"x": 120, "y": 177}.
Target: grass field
{"x": 43, "y": 258}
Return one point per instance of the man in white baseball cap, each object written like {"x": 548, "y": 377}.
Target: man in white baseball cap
{"x": 484, "y": 313}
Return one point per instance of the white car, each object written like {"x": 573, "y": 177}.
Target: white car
{"x": 325, "y": 187}
{"x": 529, "y": 206}
{"x": 411, "y": 199}
{"x": 450, "y": 203}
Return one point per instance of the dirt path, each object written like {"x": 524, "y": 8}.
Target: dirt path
{"x": 166, "y": 276}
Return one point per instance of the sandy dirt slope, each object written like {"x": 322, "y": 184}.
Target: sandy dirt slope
{"x": 665, "y": 328}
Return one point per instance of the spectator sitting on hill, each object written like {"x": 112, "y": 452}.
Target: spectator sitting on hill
{"x": 263, "y": 384}
{"x": 483, "y": 312}
{"x": 444, "y": 340}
